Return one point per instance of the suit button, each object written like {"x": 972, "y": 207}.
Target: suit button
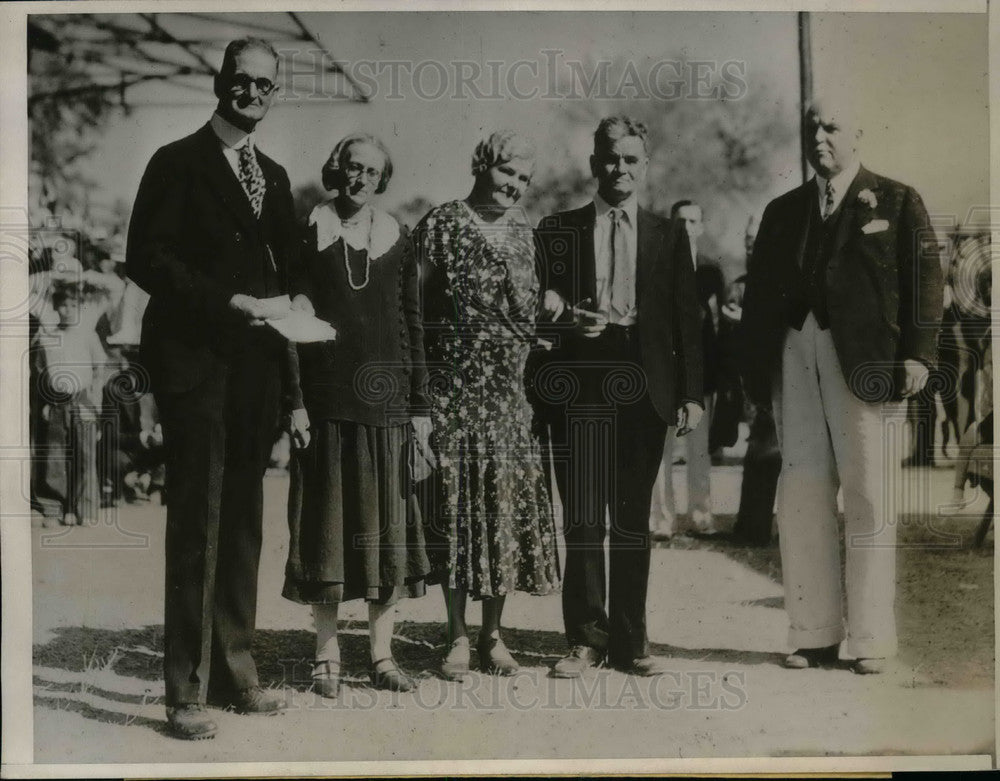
{"x": 238, "y": 236}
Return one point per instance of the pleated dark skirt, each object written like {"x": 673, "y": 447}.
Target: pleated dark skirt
{"x": 353, "y": 519}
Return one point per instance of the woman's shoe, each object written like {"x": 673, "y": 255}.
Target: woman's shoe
{"x": 455, "y": 665}
{"x": 494, "y": 657}
{"x": 326, "y": 678}
{"x": 385, "y": 674}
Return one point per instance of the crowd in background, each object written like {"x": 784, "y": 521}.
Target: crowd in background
{"x": 96, "y": 439}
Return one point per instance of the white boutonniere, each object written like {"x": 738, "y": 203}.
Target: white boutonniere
{"x": 875, "y": 226}
{"x": 867, "y": 197}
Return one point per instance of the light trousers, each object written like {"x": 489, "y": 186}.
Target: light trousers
{"x": 832, "y": 440}
{"x": 662, "y": 508}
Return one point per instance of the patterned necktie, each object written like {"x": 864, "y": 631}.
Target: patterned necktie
{"x": 251, "y": 177}
{"x": 828, "y": 201}
{"x": 622, "y": 278}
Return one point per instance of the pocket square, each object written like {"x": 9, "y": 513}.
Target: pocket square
{"x": 875, "y": 226}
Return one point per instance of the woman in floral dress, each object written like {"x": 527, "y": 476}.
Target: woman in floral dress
{"x": 490, "y": 524}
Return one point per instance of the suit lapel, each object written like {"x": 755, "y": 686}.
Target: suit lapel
{"x": 807, "y": 205}
{"x": 588, "y": 270}
{"x": 223, "y": 180}
{"x": 849, "y": 208}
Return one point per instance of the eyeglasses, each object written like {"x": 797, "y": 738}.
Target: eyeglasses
{"x": 354, "y": 170}
{"x": 240, "y": 82}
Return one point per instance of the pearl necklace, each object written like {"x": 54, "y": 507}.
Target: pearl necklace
{"x": 368, "y": 260}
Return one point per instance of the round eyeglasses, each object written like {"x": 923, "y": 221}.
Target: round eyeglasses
{"x": 355, "y": 170}
{"x": 240, "y": 82}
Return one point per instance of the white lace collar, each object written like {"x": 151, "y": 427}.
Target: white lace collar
{"x": 329, "y": 228}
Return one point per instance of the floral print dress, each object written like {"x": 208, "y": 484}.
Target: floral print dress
{"x": 491, "y": 529}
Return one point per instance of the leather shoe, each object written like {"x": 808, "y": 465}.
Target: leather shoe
{"x": 662, "y": 533}
{"x": 869, "y": 666}
{"x": 494, "y": 658}
{"x": 580, "y": 659}
{"x": 326, "y": 678}
{"x": 385, "y": 674}
{"x": 455, "y": 665}
{"x": 804, "y": 658}
{"x": 257, "y": 699}
{"x": 190, "y": 722}
{"x": 644, "y": 666}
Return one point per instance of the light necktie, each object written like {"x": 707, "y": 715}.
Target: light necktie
{"x": 828, "y": 200}
{"x": 251, "y": 177}
{"x": 622, "y": 276}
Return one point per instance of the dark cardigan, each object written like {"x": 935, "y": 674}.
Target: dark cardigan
{"x": 374, "y": 372}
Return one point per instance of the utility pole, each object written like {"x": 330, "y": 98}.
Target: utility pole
{"x": 805, "y": 82}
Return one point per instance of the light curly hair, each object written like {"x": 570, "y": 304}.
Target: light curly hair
{"x": 502, "y": 146}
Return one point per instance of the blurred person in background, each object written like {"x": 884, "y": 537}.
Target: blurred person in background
{"x": 762, "y": 461}
{"x": 70, "y": 384}
{"x": 711, "y": 288}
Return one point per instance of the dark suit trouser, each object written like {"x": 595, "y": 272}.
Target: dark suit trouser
{"x": 761, "y": 469}
{"x": 218, "y": 438}
{"x": 607, "y": 446}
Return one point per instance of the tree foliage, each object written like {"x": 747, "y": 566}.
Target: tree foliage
{"x": 719, "y": 152}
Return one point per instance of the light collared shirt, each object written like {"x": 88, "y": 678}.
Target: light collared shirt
{"x": 628, "y": 224}
{"x": 841, "y": 182}
{"x": 231, "y": 139}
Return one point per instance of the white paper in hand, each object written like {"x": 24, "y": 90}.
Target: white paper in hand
{"x": 278, "y": 306}
{"x": 297, "y": 326}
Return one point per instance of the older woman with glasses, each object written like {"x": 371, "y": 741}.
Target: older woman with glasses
{"x": 490, "y": 530}
{"x": 354, "y": 522}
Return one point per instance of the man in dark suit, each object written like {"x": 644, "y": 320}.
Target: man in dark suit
{"x": 711, "y": 286}
{"x": 626, "y": 362}
{"x": 840, "y": 319}
{"x": 211, "y": 239}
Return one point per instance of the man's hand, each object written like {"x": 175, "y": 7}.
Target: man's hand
{"x": 553, "y": 305}
{"x": 688, "y": 418}
{"x": 422, "y": 428}
{"x": 588, "y": 324}
{"x": 253, "y": 309}
{"x": 915, "y": 379}
{"x": 732, "y": 312}
{"x": 298, "y": 427}
{"x": 301, "y": 303}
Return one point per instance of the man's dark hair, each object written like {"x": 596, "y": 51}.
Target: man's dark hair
{"x": 63, "y": 292}
{"x": 682, "y": 203}
{"x": 618, "y": 126}
{"x": 235, "y": 48}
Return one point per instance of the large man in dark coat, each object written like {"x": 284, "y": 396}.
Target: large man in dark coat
{"x": 211, "y": 238}
{"x": 840, "y": 319}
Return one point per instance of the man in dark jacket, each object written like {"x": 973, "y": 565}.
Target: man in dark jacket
{"x": 840, "y": 319}
{"x": 619, "y": 283}
{"x": 211, "y": 239}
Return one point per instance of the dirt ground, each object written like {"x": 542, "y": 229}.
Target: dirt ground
{"x": 716, "y": 613}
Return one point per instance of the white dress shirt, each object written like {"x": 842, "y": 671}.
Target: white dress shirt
{"x": 602, "y": 260}
{"x": 841, "y": 182}
{"x": 231, "y": 139}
